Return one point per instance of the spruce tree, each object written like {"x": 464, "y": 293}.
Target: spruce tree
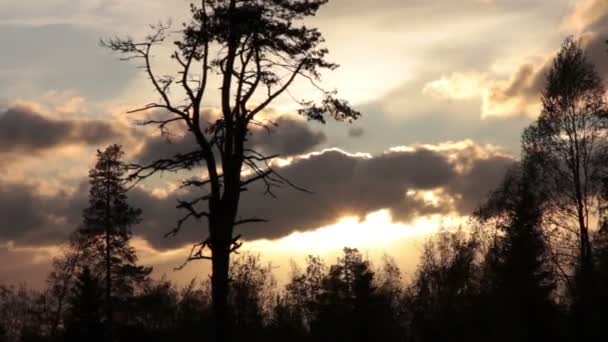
{"x": 518, "y": 278}
{"x": 106, "y": 230}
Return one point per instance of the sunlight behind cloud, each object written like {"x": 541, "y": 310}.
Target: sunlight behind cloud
{"x": 375, "y": 235}
{"x": 376, "y": 230}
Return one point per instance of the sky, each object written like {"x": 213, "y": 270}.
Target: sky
{"x": 445, "y": 88}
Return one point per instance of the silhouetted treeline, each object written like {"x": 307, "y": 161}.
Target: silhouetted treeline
{"x": 465, "y": 289}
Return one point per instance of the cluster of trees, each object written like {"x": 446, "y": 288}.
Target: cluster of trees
{"x": 96, "y": 277}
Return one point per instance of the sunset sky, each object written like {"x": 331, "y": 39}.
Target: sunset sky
{"x": 445, "y": 88}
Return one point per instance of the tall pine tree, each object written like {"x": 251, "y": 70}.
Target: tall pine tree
{"x": 106, "y": 230}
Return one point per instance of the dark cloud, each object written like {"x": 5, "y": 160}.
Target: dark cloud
{"x": 356, "y": 132}
{"x": 289, "y": 136}
{"x": 342, "y": 184}
{"x": 159, "y": 147}
{"x": 527, "y": 81}
{"x": 25, "y": 131}
{"x": 31, "y": 217}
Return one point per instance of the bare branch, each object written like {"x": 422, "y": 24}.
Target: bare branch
{"x": 251, "y": 220}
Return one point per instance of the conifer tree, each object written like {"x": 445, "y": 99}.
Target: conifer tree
{"x": 85, "y": 321}
{"x": 519, "y": 277}
{"x": 106, "y": 230}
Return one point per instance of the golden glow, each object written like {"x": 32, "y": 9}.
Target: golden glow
{"x": 435, "y": 197}
{"x": 36, "y": 255}
{"x": 376, "y": 230}
{"x": 457, "y": 86}
{"x": 375, "y": 235}
{"x": 584, "y": 14}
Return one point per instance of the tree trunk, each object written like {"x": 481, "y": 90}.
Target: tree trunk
{"x": 219, "y": 289}
{"x": 585, "y": 286}
{"x": 109, "y": 309}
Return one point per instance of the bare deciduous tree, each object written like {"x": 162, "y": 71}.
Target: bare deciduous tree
{"x": 569, "y": 139}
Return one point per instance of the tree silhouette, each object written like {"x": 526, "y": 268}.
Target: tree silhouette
{"x": 302, "y": 296}
{"x": 568, "y": 140}
{"x": 258, "y": 49}
{"x": 251, "y": 295}
{"x": 60, "y": 280}
{"x": 346, "y": 300}
{"x": 85, "y": 322}
{"x": 342, "y": 302}
{"x": 389, "y": 315}
{"x": 106, "y": 229}
{"x": 442, "y": 291}
{"x": 518, "y": 281}
{"x": 194, "y": 312}
{"x": 155, "y": 311}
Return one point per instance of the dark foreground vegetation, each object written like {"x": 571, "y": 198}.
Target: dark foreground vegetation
{"x": 532, "y": 265}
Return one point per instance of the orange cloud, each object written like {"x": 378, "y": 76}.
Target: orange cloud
{"x": 585, "y": 14}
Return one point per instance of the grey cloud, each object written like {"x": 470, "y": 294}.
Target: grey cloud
{"x": 289, "y": 137}
{"x": 342, "y": 184}
{"x": 483, "y": 176}
{"x": 159, "y": 147}
{"x": 31, "y": 217}
{"x": 23, "y": 130}
{"x": 526, "y": 81}
{"x": 356, "y": 132}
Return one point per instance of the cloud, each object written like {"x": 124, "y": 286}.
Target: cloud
{"x": 356, "y": 132}
{"x": 23, "y": 130}
{"x": 345, "y": 184}
{"x": 519, "y": 94}
{"x": 291, "y": 136}
{"x": 459, "y": 175}
{"x": 32, "y": 217}
{"x": 286, "y": 136}
{"x": 586, "y": 13}
{"x": 457, "y": 86}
